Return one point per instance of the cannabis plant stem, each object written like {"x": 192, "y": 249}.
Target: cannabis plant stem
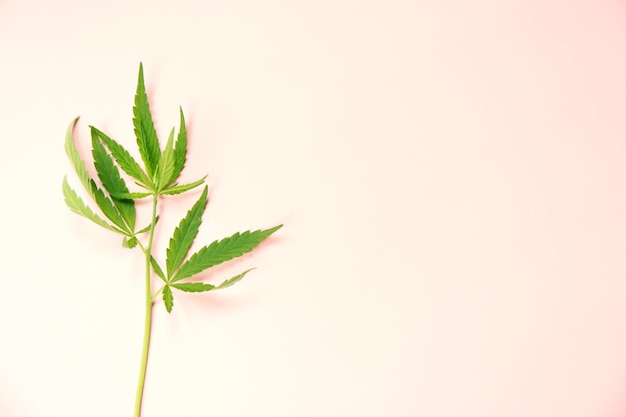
{"x": 148, "y": 317}
{"x": 117, "y": 212}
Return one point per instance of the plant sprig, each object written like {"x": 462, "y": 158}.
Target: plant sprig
{"x": 156, "y": 177}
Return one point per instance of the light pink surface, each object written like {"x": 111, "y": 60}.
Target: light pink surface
{"x": 452, "y": 176}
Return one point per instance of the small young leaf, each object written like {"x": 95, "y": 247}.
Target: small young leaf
{"x": 184, "y": 234}
{"x": 221, "y": 251}
{"x": 123, "y": 158}
{"x": 129, "y": 243}
{"x": 193, "y": 286}
{"x": 144, "y": 128}
{"x": 168, "y": 298}
{"x": 112, "y": 182}
{"x": 165, "y": 169}
{"x": 76, "y": 204}
{"x": 157, "y": 268}
{"x": 232, "y": 280}
{"x": 178, "y": 189}
{"x": 180, "y": 150}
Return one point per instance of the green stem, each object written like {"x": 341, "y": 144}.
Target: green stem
{"x": 148, "y": 316}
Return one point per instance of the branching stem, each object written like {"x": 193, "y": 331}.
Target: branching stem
{"x": 148, "y": 314}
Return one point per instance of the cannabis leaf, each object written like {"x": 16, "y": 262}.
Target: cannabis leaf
{"x": 166, "y": 166}
{"x": 222, "y": 251}
{"x": 184, "y": 234}
{"x": 112, "y": 182}
{"x": 129, "y": 242}
{"x": 108, "y": 208}
{"x": 179, "y": 189}
{"x": 132, "y": 196}
{"x": 77, "y": 162}
{"x": 144, "y": 128}
{"x": 76, "y": 204}
{"x": 156, "y": 178}
{"x": 233, "y": 280}
{"x": 168, "y": 298}
{"x": 193, "y": 286}
{"x": 102, "y": 201}
{"x": 123, "y": 158}
{"x": 157, "y": 268}
{"x": 148, "y": 227}
{"x": 180, "y": 150}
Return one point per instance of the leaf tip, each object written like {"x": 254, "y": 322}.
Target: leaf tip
{"x": 70, "y": 128}
{"x": 140, "y": 83}
{"x": 275, "y": 228}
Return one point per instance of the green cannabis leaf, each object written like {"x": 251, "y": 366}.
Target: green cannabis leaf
{"x": 222, "y": 251}
{"x": 76, "y": 204}
{"x": 179, "y": 189}
{"x": 168, "y": 298}
{"x": 116, "y": 210}
{"x": 147, "y": 140}
{"x": 184, "y": 234}
{"x": 112, "y": 182}
{"x": 180, "y": 150}
{"x": 102, "y": 201}
{"x": 123, "y": 158}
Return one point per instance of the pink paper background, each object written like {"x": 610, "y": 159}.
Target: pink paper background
{"x": 452, "y": 176}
